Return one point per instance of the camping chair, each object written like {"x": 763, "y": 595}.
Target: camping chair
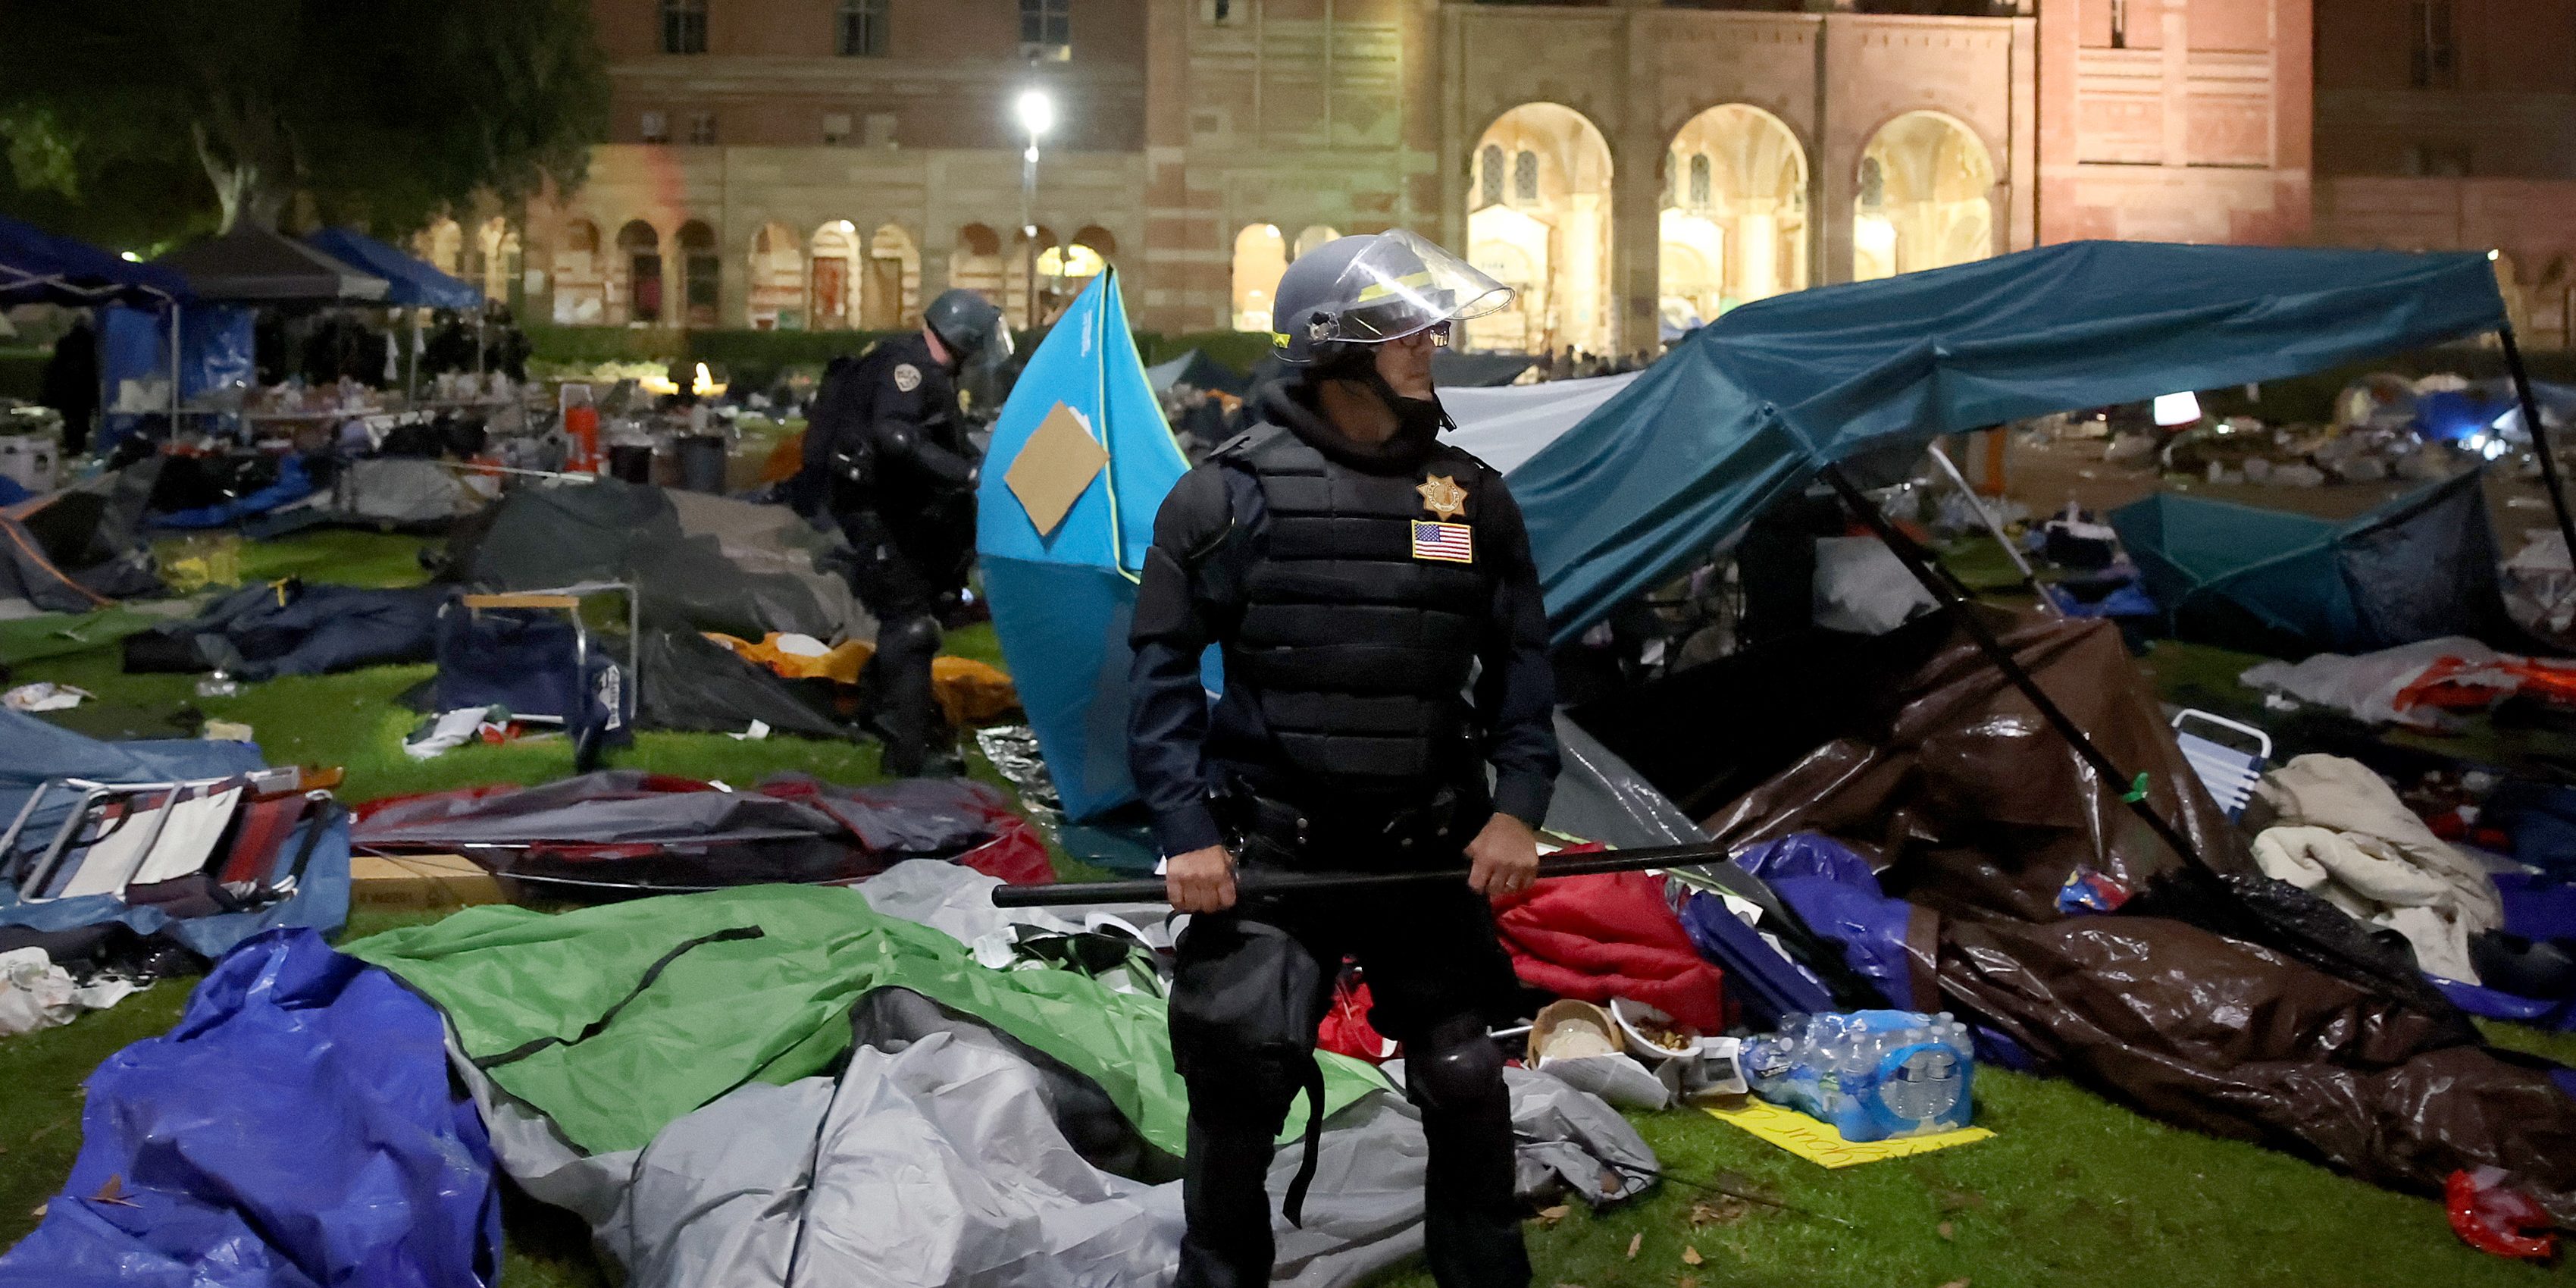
{"x": 2229, "y": 772}
{"x": 533, "y": 653}
{"x": 189, "y": 846}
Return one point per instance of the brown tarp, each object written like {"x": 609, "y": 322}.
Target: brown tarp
{"x": 1974, "y": 808}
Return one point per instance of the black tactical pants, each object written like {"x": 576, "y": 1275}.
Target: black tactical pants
{"x": 904, "y": 599}
{"x": 1252, "y": 983}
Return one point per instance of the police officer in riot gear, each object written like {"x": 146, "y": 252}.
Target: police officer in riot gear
{"x": 1372, "y": 593}
{"x": 887, "y": 460}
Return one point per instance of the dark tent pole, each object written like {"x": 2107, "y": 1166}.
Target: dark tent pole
{"x": 1963, "y": 612}
{"x": 2539, "y": 436}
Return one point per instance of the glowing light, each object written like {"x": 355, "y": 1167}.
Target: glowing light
{"x": 130, "y": 257}
{"x": 2476, "y": 443}
{"x": 2493, "y": 449}
{"x": 1037, "y": 112}
{"x": 704, "y": 382}
{"x": 2178, "y": 409}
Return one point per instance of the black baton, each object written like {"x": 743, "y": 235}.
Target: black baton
{"x": 1253, "y": 885}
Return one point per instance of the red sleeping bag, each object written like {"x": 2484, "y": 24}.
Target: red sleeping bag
{"x": 1594, "y": 938}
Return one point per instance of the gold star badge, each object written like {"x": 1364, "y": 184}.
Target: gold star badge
{"x": 1442, "y": 496}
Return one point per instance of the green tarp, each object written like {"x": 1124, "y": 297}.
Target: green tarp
{"x": 570, "y": 1013}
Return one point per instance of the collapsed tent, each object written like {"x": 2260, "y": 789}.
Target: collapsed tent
{"x": 2420, "y": 567}
{"x": 617, "y": 833}
{"x": 697, "y": 562}
{"x": 1080, "y": 461}
{"x": 1914, "y": 750}
{"x": 80, "y": 548}
{"x": 1747, "y": 410}
{"x": 294, "y": 628}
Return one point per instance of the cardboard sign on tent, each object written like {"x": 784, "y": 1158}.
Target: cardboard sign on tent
{"x": 1062, "y": 574}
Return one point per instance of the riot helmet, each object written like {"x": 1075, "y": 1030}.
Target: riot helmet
{"x": 1371, "y": 289}
{"x": 968, "y": 324}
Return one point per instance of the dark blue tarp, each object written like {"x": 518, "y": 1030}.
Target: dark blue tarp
{"x": 1749, "y": 408}
{"x": 293, "y": 483}
{"x": 214, "y": 352}
{"x": 408, "y": 281}
{"x": 37, "y": 267}
{"x": 296, "y": 1129}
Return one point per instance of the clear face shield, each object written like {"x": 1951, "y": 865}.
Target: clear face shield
{"x": 1403, "y": 285}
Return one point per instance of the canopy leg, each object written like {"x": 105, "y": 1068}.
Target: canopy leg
{"x": 2029, "y": 578}
{"x": 1961, "y": 611}
{"x": 2539, "y": 436}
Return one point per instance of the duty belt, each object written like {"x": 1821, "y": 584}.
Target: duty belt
{"x": 1289, "y": 833}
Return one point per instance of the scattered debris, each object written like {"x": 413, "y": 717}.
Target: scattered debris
{"x": 1947, "y": 1230}
{"x": 1726, "y": 1210}
{"x": 1550, "y": 1216}
{"x": 1636, "y": 1241}
{"x": 113, "y": 1192}
{"x": 1690, "y": 1255}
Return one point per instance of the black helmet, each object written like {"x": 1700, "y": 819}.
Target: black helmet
{"x": 967, "y": 323}
{"x": 1371, "y": 289}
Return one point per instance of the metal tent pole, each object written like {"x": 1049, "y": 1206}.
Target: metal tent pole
{"x": 1964, "y": 613}
{"x": 2539, "y": 436}
{"x": 174, "y": 370}
{"x": 2029, "y": 578}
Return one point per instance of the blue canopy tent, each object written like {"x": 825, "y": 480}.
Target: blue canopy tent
{"x": 409, "y": 282}
{"x": 1061, "y": 575}
{"x": 1752, "y": 407}
{"x": 37, "y": 267}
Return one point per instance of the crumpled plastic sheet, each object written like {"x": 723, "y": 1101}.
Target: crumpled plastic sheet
{"x": 2232, "y": 1039}
{"x": 295, "y": 1129}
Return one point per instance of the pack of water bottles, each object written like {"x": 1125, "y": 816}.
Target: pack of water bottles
{"x": 1874, "y": 1075}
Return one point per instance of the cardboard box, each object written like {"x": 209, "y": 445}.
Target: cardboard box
{"x": 419, "y": 881}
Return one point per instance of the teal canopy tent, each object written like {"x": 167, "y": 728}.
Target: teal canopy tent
{"x": 1080, "y": 461}
{"x": 1753, "y": 406}
{"x": 410, "y": 282}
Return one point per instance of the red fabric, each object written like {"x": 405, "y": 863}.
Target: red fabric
{"x": 1594, "y": 938}
{"x": 1346, "y": 1029}
{"x": 1015, "y": 854}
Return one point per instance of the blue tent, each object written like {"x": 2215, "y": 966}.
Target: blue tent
{"x": 410, "y": 283}
{"x": 1062, "y": 599}
{"x": 37, "y": 267}
{"x": 1749, "y": 408}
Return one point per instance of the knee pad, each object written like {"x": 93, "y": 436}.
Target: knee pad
{"x": 1454, "y": 1066}
{"x": 908, "y": 637}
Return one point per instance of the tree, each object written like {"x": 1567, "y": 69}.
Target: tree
{"x": 381, "y": 112}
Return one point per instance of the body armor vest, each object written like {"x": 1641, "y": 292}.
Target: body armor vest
{"x": 1362, "y": 607}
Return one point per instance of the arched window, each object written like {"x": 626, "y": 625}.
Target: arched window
{"x": 1314, "y": 238}
{"x": 1260, "y": 256}
{"x": 701, "y": 274}
{"x": 1699, "y": 181}
{"x": 641, "y": 249}
{"x": 1489, "y": 169}
{"x": 1873, "y": 182}
{"x": 1525, "y": 176}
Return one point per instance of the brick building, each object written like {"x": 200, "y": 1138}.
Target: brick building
{"x": 829, "y": 163}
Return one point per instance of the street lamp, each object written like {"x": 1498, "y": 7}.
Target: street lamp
{"x": 1036, "y": 109}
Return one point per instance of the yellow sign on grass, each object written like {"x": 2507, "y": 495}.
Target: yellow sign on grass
{"x": 1818, "y": 1142}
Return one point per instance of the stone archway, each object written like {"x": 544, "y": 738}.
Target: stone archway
{"x": 635, "y": 277}
{"x": 832, "y": 289}
{"x": 580, "y": 276}
{"x": 1734, "y": 221}
{"x": 1925, "y": 198}
{"x": 1260, "y": 257}
{"x": 777, "y": 297}
{"x": 1538, "y": 219}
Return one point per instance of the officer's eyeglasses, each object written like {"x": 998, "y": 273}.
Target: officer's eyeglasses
{"x": 1440, "y": 335}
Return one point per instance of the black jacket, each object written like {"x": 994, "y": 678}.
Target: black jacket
{"x": 885, "y": 434}
{"x": 1180, "y": 747}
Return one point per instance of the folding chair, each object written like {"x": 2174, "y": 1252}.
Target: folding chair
{"x": 2229, "y": 772}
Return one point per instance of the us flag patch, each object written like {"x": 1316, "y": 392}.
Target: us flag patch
{"x": 1447, "y": 542}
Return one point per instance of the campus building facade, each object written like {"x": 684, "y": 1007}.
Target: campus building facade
{"x": 1632, "y": 166}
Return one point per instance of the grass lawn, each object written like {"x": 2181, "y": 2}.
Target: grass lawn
{"x": 2071, "y": 1190}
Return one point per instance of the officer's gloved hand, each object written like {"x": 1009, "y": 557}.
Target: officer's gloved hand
{"x": 1200, "y": 881}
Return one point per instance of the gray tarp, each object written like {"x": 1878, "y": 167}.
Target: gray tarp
{"x": 936, "y": 1161}
{"x": 1599, "y": 798}
{"x": 401, "y": 490}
